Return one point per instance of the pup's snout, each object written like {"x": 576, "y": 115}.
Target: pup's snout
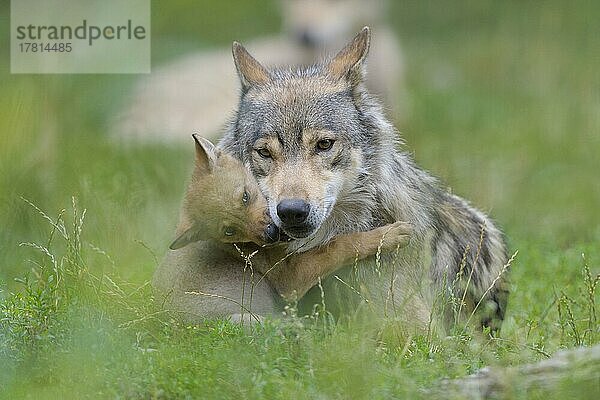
{"x": 293, "y": 212}
{"x": 272, "y": 233}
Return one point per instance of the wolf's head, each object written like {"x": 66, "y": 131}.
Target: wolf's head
{"x": 303, "y": 134}
{"x": 223, "y": 202}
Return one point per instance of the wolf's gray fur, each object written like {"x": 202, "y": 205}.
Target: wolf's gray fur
{"x": 366, "y": 181}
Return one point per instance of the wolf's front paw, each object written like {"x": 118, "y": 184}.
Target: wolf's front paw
{"x": 394, "y": 235}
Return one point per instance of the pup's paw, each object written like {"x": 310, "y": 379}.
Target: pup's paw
{"x": 395, "y": 235}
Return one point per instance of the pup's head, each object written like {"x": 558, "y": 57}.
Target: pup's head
{"x": 223, "y": 202}
{"x": 301, "y": 133}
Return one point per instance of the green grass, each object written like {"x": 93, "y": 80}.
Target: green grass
{"x": 505, "y": 109}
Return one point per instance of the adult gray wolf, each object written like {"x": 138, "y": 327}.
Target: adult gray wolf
{"x": 327, "y": 160}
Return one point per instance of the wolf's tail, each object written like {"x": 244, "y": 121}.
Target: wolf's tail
{"x": 494, "y": 307}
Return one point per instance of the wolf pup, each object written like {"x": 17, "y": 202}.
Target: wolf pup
{"x": 223, "y": 205}
{"x": 327, "y": 160}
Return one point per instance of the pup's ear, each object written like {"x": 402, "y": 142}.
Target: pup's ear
{"x": 250, "y": 71}
{"x": 193, "y": 234}
{"x": 206, "y": 153}
{"x": 348, "y": 63}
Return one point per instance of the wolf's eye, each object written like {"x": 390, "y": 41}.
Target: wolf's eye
{"x": 264, "y": 153}
{"x": 245, "y": 198}
{"x": 229, "y": 231}
{"x": 324, "y": 144}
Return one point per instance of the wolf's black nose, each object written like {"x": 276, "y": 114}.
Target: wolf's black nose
{"x": 293, "y": 212}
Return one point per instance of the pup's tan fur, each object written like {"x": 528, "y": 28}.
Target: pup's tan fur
{"x": 204, "y": 272}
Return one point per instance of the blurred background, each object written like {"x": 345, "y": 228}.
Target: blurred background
{"x": 501, "y": 100}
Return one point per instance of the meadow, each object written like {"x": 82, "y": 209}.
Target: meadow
{"x": 504, "y": 108}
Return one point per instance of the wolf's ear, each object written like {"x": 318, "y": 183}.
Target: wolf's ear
{"x": 348, "y": 63}
{"x": 250, "y": 71}
{"x": 206, "y": 153}
{"x": 193, "y": 234}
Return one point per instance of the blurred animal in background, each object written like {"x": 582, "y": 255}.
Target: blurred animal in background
{"x": 196, "y": 92}
{"x": 321, "y": 27}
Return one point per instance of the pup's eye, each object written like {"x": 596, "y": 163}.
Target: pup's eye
{"x": 264, "y": 153}
{"x": 229, "y": 231}
{"x": 245, "y": 198}
{"x": 324, "y": 144}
